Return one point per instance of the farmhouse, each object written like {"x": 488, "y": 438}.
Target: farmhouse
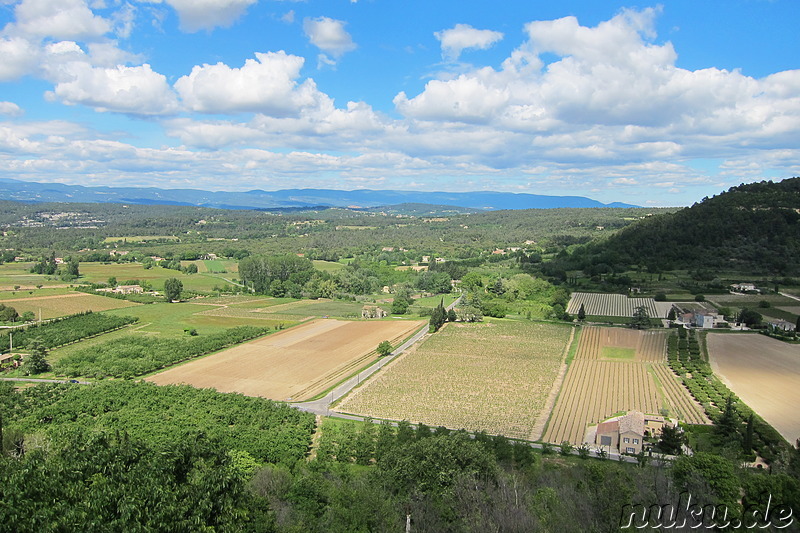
{"x": 373, "y": 311}
{"x": 782, "y": 325}
{"x": 123, "y": 289}
{"x": 626, "y": 433}
{"x": 743, "y": 287}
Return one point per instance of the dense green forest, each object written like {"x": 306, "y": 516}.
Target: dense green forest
{"x": 135, "y": 457}
{"x": 752, "y": 228}
{"x": 188, "y": 232}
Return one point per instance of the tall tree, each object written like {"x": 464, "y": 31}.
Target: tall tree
{"x": 173, "y": 287}
{"x": 582, "y": 313}
{"x": 36, "y": 360}
{"x": 640, "y": 318}
{"x": 438, "y": 317}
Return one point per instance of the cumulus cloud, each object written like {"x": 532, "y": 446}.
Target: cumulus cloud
{"x": 329, "y": 35}
{"x": 19, "y": 58}
{"x": 463, "y": 36}
{"x": 198, "y": 15}
{"x": 611, "y": 94}
{"x": 134, "y": 90}
{"x": 266, "y": 85}
{"x": 59, "y": 19}
{"x": 10, "y": 109}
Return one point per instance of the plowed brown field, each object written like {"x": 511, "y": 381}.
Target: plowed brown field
{"x": 764, "y": 373}
{"x": 297, "y": 363}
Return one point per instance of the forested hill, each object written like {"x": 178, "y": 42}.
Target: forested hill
{"x": 24, "y": 191}
{"x": 750, "y": 228}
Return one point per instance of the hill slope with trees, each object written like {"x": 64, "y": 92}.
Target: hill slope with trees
{"x": 750, "y": 228}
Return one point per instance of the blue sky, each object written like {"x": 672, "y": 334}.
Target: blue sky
{"x": 653, "y": 104}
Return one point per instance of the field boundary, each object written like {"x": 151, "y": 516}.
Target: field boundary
{"x": 541, "y": 424}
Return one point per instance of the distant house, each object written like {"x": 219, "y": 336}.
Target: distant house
{"x": 704, "y": 321}
{"x": 782, "y": 325}
{"x": 373, "y": 311}
{"x": 129, "y": 289}
{"x": 626, "y": 433}
{"x": 743, "y": 287}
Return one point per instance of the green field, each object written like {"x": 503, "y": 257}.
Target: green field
{"x": 615, "y": 352}
{"x": 170, "y": 320}
{"x": 33, "y": 293}
{"x": 327, "y": 266}
{"x": 18, "y": 274}
{"x": 99, "y": 273}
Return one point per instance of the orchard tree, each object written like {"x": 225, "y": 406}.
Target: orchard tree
{"x": 36, "y": 360}
{"x": 384, "y": 348}
{"x": 172, "y": 289}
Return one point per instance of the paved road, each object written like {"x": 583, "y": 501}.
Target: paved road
{"x": 40, "y": 380}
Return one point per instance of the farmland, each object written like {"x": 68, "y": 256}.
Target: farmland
{"x": 298, "y": 363}
{"x": 99, "y": 273}
{"x": 764, "y": 373}
{"x": 493, "y": 376}
{"x": 617, "y": 370}
{"x": 600, "y": 304}
{"x": 59, "y": 305}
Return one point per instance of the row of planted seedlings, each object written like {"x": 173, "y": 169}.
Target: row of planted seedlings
{"x": 685, "y": 357}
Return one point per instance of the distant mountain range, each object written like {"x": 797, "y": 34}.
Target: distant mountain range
{"x": 25, "y": 191}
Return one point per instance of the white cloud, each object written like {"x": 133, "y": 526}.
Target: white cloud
{"x": 10, "y": 109}
{"x": 267, "y": 85}
{"x": 198, "y": 15}
{"x": 610, "y": 95}
{"x": 19, "y": 58}
{"x": 133, "y": 90}
{"x": 59, "y": 19}
{"x": 329, "y": 36}
{"x": 463, "y": 36}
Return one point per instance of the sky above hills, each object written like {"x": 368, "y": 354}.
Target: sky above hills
{"x": 654, "y": 104}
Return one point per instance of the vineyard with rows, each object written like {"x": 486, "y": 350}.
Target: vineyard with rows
{"x": 492, "y": 376}
{"x": 598, "y": 387}
{"x": 133, "y": 356}
{"x": 601, "y": 304}
{"x": 66, "y": 330}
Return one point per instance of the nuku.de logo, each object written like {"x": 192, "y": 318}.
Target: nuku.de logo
{"x": 692, "y": 515}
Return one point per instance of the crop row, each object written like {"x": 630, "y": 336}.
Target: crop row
{"x": 66, "y": 330}
{"x": 649, "y": 345}
{"x": 133, "y": 355}
{"x": 488, "y": 376}
{"x": 609, "y": 304}
{"x": 596, "y": 390}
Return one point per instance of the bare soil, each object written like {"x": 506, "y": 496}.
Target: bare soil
{"x": 294, "y": 364}
{"x": 764, "y": 373}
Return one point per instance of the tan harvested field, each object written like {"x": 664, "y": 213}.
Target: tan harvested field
{"x": 493, "y": 376}
{"x": 298, "y": 363}
{"x": 597, "y": 388}
{"x": 66, "y": 304}
{"x": 764, "y": 373}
